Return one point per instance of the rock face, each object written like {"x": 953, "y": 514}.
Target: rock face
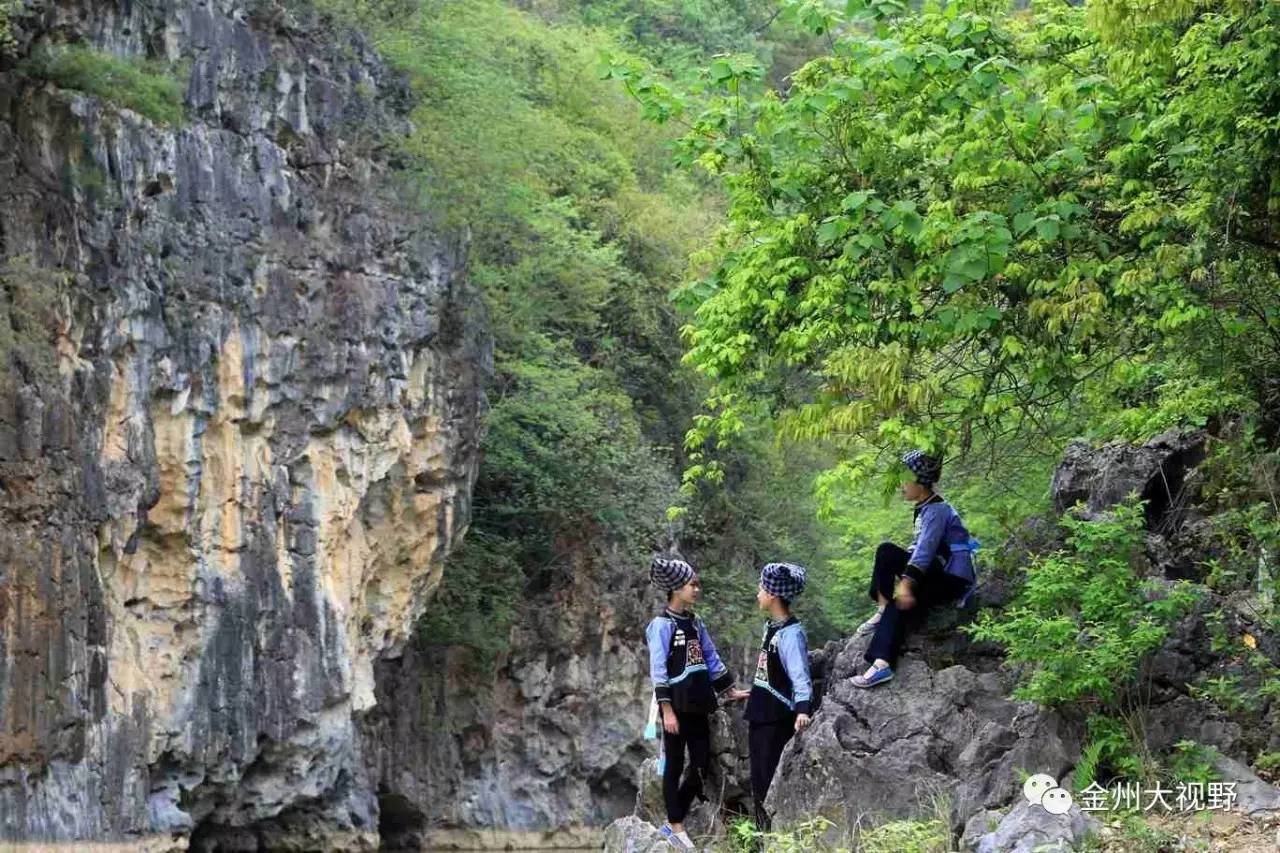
{"x": 1209, "y": 642}
{"x": 885, "y": 753}
{"x": 1028, "y": 828}
{"x": 1104, "y": 477}
{"x": 547, "y": 739}
{"x": 232, "y": 467}
{"x": 633, "y": 835}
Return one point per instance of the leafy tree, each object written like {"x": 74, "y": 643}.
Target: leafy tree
{"x": 968, "y": 225}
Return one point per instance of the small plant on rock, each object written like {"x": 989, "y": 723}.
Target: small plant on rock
{"x": 1084, "y": 620}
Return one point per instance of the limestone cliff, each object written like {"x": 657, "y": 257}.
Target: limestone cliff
{"x": 543, "y": 746}
{"x": 240, "y": 442}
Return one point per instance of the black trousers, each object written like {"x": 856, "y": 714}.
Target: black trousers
{"x": 695, "y": 734}
{"x": 767, "y": 741}
{"x": 938, "y": 587}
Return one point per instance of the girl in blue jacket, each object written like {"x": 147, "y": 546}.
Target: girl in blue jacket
{"x": 938, "y": 567}
{"x": 687, "y": 675}
{"x": 782, "y": 691}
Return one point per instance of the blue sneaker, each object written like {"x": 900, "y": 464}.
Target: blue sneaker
{"x": 673, "y": 838}
{"x": 877, "y": 676}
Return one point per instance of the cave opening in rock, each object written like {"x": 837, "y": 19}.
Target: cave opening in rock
{"x": 401, "y": 824}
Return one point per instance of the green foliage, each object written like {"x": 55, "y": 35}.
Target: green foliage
{"x": 1267, "y": 764}
{"x": 969, "y": 224}
{"x": 1115, "y": 751}
{"x": 802, "y": 838}
{"x": 765, "y": 510}
{"x": 930, "y": 834}
{"x": 479, "y": 600}
{"x": 1189, "y": 761}
{"x": 907, "y": 836}
{"x": 1241, "y": 485}
{"x": 1226, "y": 692}
{"x": 678, "y": 35}
{"x": 7, "y": 8}
{"x": 1084, "y": 620}
{"x": 1112, "y": 750}
{"x": 1132, "y": 834}
{"x": 579, "y": 229}
{"x": 146, "y": 88}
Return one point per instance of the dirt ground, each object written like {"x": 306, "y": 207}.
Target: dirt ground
{"x": 1207, "y": 832}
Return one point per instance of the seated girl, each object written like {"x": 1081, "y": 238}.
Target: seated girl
{"x": 937, "y": 568}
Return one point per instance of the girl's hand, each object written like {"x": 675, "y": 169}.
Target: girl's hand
{"x": 802, "y": 722}
{"x": 669, "y": 722}
{"x": 738, "y": 695}
{"x": 904, "y": 597}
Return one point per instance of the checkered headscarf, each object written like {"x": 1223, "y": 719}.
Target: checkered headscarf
{"x": 669, "y": 575}
{"x": 785, "y": 580}
{"x": 928, "y": 469}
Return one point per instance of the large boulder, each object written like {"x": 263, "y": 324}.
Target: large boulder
{"x": 1100, "y": 478}
{"x": 888, "y": 753}
{"x": 1253, "y": 796}
{"x": 631, "y": 834}
{"x": 1026, "y": 828}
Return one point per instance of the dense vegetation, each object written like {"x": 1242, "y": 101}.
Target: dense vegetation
{"x": 970, "y": 226}
{"x": 580, "y": 227}
{"x": 981, "y": 228}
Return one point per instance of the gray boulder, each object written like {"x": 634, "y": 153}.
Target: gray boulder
{"x": 1254, "y": 797}
{"x": 630, "y": 834}
{"x": 1028, "y": 828}
{"x": 1102, "y": 477}
{"x": 888, "y": 753}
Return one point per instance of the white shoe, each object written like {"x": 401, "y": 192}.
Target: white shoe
{"x": 870, "y": 625}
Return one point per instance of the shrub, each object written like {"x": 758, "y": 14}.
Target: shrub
{"x": 1084, "y": 619}
{"x": 146, "y": 88}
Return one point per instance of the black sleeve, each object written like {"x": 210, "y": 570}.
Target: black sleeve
{"x": 662, "y": 693}
{"x": 915, "y": 573}
{"x": 724, "y": 682}
{"x": 802, "y": 707}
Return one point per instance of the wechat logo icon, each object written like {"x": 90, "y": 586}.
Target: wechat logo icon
{"x": 1042, "y": 790}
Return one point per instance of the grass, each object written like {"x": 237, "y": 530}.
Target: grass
{"x": 146, "y": 88}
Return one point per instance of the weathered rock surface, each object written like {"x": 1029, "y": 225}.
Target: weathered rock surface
{"x": 233, "y": 488}
{"x": 550, "y": 738}
{"x": 1209, "y": 642}
{"x": 1254, "y": 797}
{"x": 634, "y": 835}
{"x": 1103, "y": 477}
{"x": 1027, "y": 828}
{"x": 886, "y": 753}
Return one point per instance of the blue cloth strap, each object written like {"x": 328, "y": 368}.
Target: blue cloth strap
{"x": 783, "y": 699}
{"x": 688, "y": 671}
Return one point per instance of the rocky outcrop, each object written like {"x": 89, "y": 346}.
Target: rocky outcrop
{"x": 1028, "y": 828}
{"x": 232, "y": 491}
{"x": 545, "y": 741}
{"x": 1100, "y": 478}
{"x": 634, "y": 835}
{"x": 888, "y": 753}
{"x": 1224, "y": 637}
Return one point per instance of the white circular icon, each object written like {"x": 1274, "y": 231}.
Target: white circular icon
{"x": 1056, "y": 801}
{"x": 1035, "y": 787}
